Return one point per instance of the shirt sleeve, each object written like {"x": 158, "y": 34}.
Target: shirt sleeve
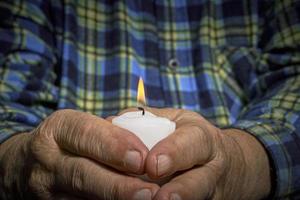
{"x": 27, "y": 59}
{"x": 271, "y": 79}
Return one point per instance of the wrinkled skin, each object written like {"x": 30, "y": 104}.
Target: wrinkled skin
{"x": 208, "y": 163}
{"x": 75, "y": 155}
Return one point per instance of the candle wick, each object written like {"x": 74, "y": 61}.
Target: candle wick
{"x": 143, "y": 110}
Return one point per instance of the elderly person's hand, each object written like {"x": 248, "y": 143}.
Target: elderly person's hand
{"x": 74, "y": 155}
{"x": 207, "y": 162}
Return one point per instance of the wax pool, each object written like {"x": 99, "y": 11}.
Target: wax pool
{"x": 148, "y": 127}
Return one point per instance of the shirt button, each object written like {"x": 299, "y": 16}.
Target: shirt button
{"x": 173, "y": 63}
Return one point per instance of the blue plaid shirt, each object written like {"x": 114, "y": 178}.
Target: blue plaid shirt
{"x": 236, "y": 62}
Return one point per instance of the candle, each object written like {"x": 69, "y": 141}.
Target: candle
{"x": 149, "y": 128}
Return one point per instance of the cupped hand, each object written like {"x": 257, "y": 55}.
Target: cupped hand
{"x": 72, "y": 155}
{"x": 207, "y": 162}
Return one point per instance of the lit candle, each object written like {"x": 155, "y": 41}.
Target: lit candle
{"x": 149, "y": 128}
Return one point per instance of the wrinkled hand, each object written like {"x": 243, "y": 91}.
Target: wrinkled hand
{"x": 208, "y": 163}
{"x": 73, "y": 155}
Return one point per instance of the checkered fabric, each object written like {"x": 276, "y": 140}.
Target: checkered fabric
{"x": 236, "y": 62}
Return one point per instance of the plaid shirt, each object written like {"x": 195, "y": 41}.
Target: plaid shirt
{"x": 236, "y": 62}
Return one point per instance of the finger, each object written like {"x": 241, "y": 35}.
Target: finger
{"x": 186, "y": 147}
{"x": 86, "y": 178}
{"x": 90, "y": 136}
{"x": 198, "y": 183}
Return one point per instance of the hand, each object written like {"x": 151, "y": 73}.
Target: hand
{"x": 74, "y": 155}
{"x": 210, "y": 163}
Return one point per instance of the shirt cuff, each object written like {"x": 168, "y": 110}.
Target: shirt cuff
{"x": 276, "y": 139}
{"x": 9, "y": 129}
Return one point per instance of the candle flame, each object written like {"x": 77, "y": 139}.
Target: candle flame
{"x": 141, "y": 98}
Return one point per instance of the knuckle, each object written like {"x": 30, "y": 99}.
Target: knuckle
{"x": 55, "y": 116}
{"x": 47, "y": 127}
{"x": 42, "y": 146}
{"x": 221, "y": 158}
{"x": 200, "y": 135}
{"x": 63, "y": 125}
{"x": 40, "y": 150}
{"x": 58, "y": 118}
{"x": 63, "y": 113}
{"x": 36, "y": 146}
{"x": 200, "y": 143}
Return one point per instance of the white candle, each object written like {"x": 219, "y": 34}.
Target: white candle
{"x": 149, "y": 128}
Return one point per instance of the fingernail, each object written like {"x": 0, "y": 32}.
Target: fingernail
{"x": 144, "y": 194}
{"x": 163, "y": 164}
{"x": 175, "y": 196}
{"x": 133, "y": 160}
